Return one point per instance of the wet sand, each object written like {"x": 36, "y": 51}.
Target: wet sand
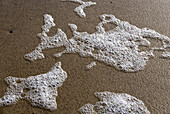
{"x": 25, "y": 19}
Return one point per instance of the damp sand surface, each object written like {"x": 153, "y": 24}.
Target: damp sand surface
{"x": 20, "y": 23}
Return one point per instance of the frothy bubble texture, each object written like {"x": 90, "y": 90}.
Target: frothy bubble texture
{"x": 39, "y": 90}
{"x": 118, "y": 47}
{"x": 47, "y": 42}
{"x": 80, "y": 9}
{"x": 115, "y": 103}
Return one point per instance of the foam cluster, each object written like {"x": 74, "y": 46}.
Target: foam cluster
{"x": 115, "y": 103}
{"x": 80, "y": 9}
{"x": 46, "y": 41}
{"x": 39, "y": 90}
{"x": 118, "y": 47}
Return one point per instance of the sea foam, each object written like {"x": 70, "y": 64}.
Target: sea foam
{"x": 39, "y": 90}
{"x": 80, "y": 9}
{"x": 118, "y": 47}
{"x": 115, "y": 103}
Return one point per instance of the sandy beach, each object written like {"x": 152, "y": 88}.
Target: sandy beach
{"x": 21, "y": 21}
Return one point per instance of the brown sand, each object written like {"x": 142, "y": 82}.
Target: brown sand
{"x": 25, "y": 18}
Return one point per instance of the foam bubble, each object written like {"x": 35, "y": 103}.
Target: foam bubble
{"x": 39, "y": 90}
{"x": 80, "y": 9}
{"x": 118, "y": 47}
{"x": 113, "y": 103}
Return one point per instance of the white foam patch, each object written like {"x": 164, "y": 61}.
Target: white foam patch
{"x": 48, "y": 23}
{"x": 46, "y": 41}
{"x": 39, "y": 90}
{"x": 92, "y": 64}
{"x": 80, "y": 9}
{"x": 115, "y": 103}
{"x": 118, "y": 47}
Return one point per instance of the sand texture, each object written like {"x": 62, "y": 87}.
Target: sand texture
{"x": 21, "y": 21}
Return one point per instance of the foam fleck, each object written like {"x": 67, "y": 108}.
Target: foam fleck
{"x": 166, "y": 55}
{"x": 113, "y": 103}
{"x": 118, "y": 47}
{"x": 80, "y": 9}
{"x": 92, "y": 64}
{"x": 39, "y": 90}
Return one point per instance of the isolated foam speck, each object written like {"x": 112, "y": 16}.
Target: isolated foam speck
{"x": 115, "y": 103}
{"x": 166, "y": 55}
{"x": 118, "y": 47}
{"x": 92, "y": 64}
{"x": 39, "y": 90}
{"x": 80, "y": 9}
